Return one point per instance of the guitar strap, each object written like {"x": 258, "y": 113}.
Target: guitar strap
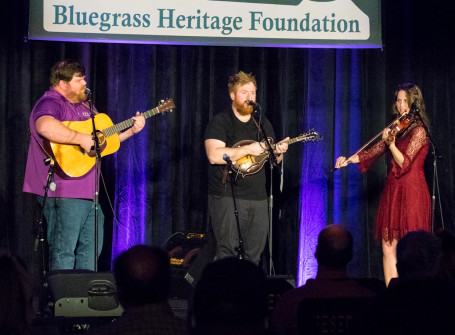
{"x": 256, "y": 123}
{"x": 88, "y": 107}
{"x": 260, "y": 132}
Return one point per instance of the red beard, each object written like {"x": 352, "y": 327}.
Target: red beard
{"x": 243, "y": 109}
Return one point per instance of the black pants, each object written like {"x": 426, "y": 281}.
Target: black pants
{"x": 254, "y": 225}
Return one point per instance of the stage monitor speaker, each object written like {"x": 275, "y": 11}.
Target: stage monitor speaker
{"x": 83, "y": 293}
{"x": 205, "y": 256}
{"x": 189, "y": 252}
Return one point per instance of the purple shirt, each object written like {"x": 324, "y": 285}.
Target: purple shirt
{"x": 54, "y": 104}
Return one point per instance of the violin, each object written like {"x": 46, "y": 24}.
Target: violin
{"x": 399, "y": 125}
{"x": 396, "y": 126}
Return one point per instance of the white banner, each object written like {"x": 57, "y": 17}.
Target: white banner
{"x": 256, "y": 23}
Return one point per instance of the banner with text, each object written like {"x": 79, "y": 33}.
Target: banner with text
{"x": 285, "y": 23}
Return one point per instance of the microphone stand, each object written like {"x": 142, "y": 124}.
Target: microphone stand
{"x": 273, "y": 163}
{"x": 97, "y": 167}
{"x": 271, "y": 266}
{"x": 433, "y": 192}
{"x": 39, "y": 239}
{"x": 240, "y": 250}
{"x": 416, "y": 107}
{"x": 435, "y": 179}
{"x": 272, "y": 157}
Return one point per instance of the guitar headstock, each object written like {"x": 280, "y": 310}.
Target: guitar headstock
{"x": 310, "y": 135}
{"x": 166, "y": 106}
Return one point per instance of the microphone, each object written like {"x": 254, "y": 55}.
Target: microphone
{"x": 88, "y": 93}
{"x": 252, "y": 103}
{"x": 227, "y": 159}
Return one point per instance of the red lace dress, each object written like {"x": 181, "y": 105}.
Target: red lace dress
{"x": 405, "y": 202}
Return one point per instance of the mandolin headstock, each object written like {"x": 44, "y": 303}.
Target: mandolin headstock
{"x": 310, "y": 135}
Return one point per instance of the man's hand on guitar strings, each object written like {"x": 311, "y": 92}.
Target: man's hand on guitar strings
{"x": 87, "y": 142}
{"x": 139, "y": 123}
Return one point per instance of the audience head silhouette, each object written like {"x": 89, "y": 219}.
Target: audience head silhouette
{"x": 230, "y": 298}
{"x": 142, "y": 275}
{"x": 334, "y": 249}
{"x": 417, "y": 255}
{"x": 446, "y": 265}
{"x": 418, "y": 302}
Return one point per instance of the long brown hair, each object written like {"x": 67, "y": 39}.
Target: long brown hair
{"x": 413, "y": 95}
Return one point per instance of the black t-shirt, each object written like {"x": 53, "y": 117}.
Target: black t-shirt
{"x": 226, "y": 127}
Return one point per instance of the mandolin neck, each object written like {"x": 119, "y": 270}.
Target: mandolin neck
{"x": 295, "y": 140}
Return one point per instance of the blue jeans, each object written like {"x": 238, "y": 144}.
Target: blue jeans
{"x": 71, "y": 231}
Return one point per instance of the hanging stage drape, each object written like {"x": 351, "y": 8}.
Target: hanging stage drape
{"x": 157, "y": 181}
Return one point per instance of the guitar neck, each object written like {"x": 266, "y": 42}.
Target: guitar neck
{"x": 117, "y": 128}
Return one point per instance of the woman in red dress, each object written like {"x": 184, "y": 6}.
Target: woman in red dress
{"x": 405, "y": 201}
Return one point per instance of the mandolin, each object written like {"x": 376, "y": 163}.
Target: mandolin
{"x": 72, "y": 161}
{"x": 249, "y": 164}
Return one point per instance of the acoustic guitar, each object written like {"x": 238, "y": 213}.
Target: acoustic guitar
{"x": 249, "y": 164}
{"x": 72, "y": 161}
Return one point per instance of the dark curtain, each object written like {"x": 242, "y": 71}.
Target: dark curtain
{"x": 156, "y": 184}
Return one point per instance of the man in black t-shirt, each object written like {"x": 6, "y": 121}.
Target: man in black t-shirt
{"x": 223, "y": 132}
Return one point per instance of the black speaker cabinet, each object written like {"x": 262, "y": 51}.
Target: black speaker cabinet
{"x": 80, "y": 293}
{"x": 189, "y": 252}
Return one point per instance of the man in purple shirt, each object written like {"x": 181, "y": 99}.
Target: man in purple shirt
{"x": 69, "y": 209}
